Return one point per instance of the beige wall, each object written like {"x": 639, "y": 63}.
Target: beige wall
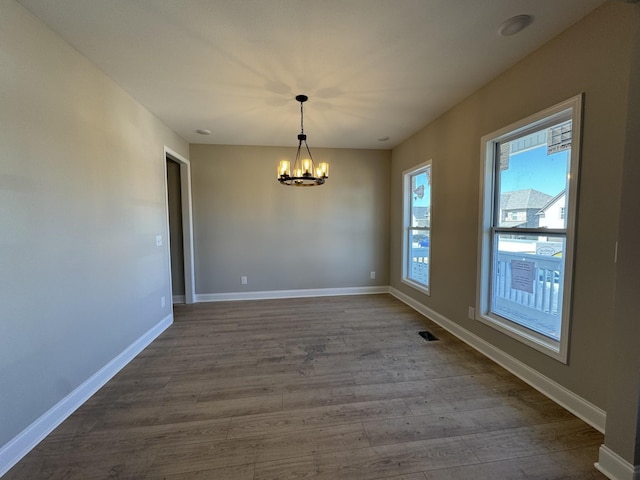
{"x": 82, "y": 197}
{"x": 591, "y": 57}
{"x": 623, "y": 384}
{"x": 285, "y": 238}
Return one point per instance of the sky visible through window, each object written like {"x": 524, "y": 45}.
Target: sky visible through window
{"x": 537, "y": 170}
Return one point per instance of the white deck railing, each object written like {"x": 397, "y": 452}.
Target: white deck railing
{"x": 539, "y": 309}
{"x": 420, "y": 265}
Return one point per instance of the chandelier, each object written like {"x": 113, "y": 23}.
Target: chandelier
{"x": 304, "y": 172}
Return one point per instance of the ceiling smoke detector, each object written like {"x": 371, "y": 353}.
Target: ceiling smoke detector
{"x": 514, "y": 25}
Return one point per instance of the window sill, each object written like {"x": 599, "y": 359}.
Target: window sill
{"x": 548, "y": 346}
{"x": 418, "y": 286}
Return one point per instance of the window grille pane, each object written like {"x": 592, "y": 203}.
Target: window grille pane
{"x": 528, "y": 278}
{"x": 419, "y": 256}
{"x": 421, "y": 198}
{"x": 532, "y": 180}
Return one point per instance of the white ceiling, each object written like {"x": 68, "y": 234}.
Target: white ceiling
{"x": 371, "y": 68}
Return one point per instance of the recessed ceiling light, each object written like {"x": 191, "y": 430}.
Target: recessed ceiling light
{"x": 514, "y": 25}
{"x": 383, "y": 139}
{"x": 203, "y": 131}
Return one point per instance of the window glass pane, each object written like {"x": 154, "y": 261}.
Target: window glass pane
{"x": 533, "y": 173}
{"x": 419, "y": 256}
{"x": 527, "y": 278}
{"x": 421, "y": 198}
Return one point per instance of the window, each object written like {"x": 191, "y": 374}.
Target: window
{"x": 516, "y": 215}
{"x": 416, "y": 251}
{"x": 526, "y": 265}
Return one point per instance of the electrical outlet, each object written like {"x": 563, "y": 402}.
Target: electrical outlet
{"x": 163, "y": 301}
{"x": 243, "y": 280}
{"x": 472, "y": 313}
{"x": 373, "y": 275}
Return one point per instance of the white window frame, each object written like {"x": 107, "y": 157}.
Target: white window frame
{"x": 407, "y": 228}
{"x": 555, "y": 349}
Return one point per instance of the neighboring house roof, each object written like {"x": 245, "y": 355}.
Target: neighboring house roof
{"x": 551, "y": 202}
{"x": 524, "y": 199}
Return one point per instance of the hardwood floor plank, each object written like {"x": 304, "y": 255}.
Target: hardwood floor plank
{"x": 566, "y": 465}
{"x": 125, "y": 466}
{"x": 532, "y": 440}
{"x": 456, "y": 423}
{"x": 316, "y": 417}
{"x": 447, "y": 403}
{"x": 266, "y": 447}
{"x": 179, "y": 413}
{"x": 237, "y": 472}
{"x": 357, "y": 393}
{"x": 254, "y": 385}
{"x": 411, "y": 476}
{"x": 370, "y": 463}
{"x": 152, "y": 437}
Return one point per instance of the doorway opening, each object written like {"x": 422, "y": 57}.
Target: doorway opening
{"x": 180, "y": 226}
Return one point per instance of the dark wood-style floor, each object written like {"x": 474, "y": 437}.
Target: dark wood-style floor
{"x": 320, "y": 389}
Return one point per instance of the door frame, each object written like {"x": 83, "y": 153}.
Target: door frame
{"x": 187, "y": 222}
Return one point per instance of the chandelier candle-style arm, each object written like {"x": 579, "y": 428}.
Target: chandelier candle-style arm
{"x": 303, "y": 173}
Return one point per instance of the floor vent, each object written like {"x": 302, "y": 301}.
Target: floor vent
{"x": 428, "y": 336}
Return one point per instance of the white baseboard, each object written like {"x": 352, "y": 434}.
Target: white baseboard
{"x": 14, "y": 450}
{"x": 274, "y": 294}
{"x": 179, "y": 299}
{"x": 581, "y": 408}
{"x": 615, "y": 467}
